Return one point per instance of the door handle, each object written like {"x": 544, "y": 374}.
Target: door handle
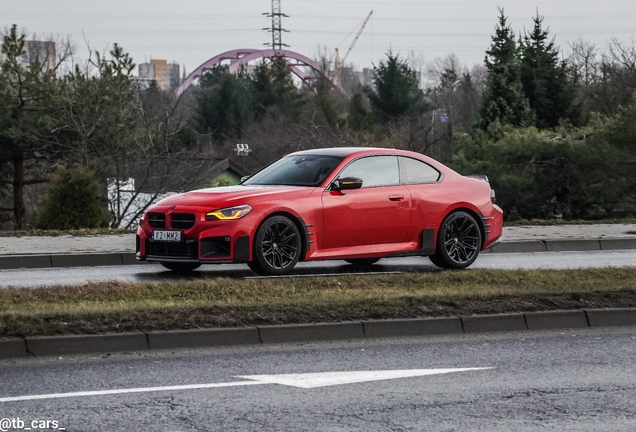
{"x": 396, "y": 197}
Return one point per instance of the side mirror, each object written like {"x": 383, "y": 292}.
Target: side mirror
{"x": 244, "y": 178}
{"x": 347, "y": 183}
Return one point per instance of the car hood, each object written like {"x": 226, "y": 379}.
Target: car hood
{"x": 234, "y": 195}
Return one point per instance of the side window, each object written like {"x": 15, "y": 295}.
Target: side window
{"x": 416, "y": 171}
{"x": 374, "y": 171}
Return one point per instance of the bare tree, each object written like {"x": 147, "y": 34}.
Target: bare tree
{"x": 454, "y": 92}
{"x": 428, "y": 134}
{"x": 617, "y": 75}
{"x": 584, "y": 68}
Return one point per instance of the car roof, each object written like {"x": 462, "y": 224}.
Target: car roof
{"x": 346, "y": 151}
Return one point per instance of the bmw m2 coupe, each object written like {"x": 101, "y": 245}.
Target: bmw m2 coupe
{"x": 352, "y": 204}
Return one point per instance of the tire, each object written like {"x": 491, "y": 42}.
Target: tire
{"x": 181, "y": 267}
{"x": 362, "y": 262}
{"x": 277, "y": 247}
{"x": 458, "y": 242}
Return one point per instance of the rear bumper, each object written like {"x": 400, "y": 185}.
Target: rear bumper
{"x": 492, "y": 217}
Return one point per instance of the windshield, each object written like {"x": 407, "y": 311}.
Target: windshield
{"x": 296, "y": 170}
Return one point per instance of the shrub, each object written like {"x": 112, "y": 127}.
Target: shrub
{"x": 569, "y": 173}
{"x": 72, "y": 202}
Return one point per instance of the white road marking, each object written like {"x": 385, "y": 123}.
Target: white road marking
{"x": 313, "y": 380}
{"x": 124, "y": 391}
{"x": 308, "y": 380}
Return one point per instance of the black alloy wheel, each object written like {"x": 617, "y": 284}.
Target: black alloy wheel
{"x": 181, "y": 267}
{"x": 458, "y": 242}
{"x": 362, "y": 262}
{"x": 277, "y": 247}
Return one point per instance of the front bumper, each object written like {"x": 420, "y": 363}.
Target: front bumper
{"x": 203, "y": 242}
{"x": 208, "y": 250}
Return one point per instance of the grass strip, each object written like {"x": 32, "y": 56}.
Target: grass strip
{"x": 223, "y": 302}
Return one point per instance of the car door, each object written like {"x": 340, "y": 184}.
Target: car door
{"x": 377, "y": 213}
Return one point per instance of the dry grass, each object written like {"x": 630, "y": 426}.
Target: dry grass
{"x": 223, "y": 302}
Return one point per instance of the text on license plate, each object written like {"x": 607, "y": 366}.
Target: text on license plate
{"x": 170, "y": 236}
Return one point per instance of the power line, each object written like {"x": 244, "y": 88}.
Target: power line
{"x": 325, "y": 32}
{"x": 312, "y": 17}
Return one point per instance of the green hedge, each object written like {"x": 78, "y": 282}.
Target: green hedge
{"x": 569, "y": 172}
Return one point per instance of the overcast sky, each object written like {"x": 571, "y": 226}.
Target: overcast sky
{"x": 191, "y": 31}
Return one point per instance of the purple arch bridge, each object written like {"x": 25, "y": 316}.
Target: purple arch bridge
{"x": 299, "y": 64}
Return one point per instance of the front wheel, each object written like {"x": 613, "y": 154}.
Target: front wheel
{"x": 181, "y": 267}
{"x": 277, "y": 247}
{"x": 458, "y": 242}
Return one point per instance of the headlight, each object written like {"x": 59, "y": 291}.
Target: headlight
{"x": 231, "y": 213}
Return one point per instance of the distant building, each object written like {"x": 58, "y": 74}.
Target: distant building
{"x": 38, "y": 51}
{"x": 166, "y": 75}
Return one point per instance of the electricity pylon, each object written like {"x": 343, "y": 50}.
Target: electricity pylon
{"x": 277, "y": 26}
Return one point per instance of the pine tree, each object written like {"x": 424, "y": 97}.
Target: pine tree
{"x": 544, "y": 78}
{"x": 396, "y": 91}
{"x": 503, "y": 99}
{"x": 224, "y": 103}
{"x": 272, "y": 85}
{"x": 26, "y": 108}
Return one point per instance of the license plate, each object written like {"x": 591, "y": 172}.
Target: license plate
{"x": 167, "y": 236}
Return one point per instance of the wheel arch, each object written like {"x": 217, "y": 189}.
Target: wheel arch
{"x": 300, "y": 224}
{"x": 476, "y": 215}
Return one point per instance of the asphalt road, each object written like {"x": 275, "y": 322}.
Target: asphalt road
{"x": 155, "y": 272}
{"x": 566, "y": 380}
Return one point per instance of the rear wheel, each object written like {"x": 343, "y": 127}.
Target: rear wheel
{"x": 181, "y": 267}
{"x": 458, "y": 242}
{"x": 362, "y": 262}
{"x": 277, "y": 247}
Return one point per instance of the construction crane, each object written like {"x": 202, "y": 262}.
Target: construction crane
{"x": 339, "y": 63}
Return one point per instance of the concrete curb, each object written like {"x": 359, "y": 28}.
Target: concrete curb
{"x": 197, "y": 338}
{"x": 10, "y": 348}
{"x": 611, "y": 317}
{"x": 494, "y": 323}
{"x": 64, "y": 345}
{"x": 11, "y": 262}
{"x": 311, "y": 332}
{"x": 572, "y": 245}
{"x": 202, "y": 338}
{"x": 8, "y": 262}
{"x": 618, "y": 244}
{"x": 556, "y": 320}
{"x": 519, "y": 246}
{"x": 412, "y": 327}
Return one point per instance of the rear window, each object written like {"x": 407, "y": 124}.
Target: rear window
{"x": 415, "y": 171}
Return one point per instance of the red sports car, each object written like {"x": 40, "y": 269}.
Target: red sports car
{"x": 353, "y": 204}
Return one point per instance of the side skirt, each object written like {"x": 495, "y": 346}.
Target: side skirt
{"x": 428, "y": 246}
